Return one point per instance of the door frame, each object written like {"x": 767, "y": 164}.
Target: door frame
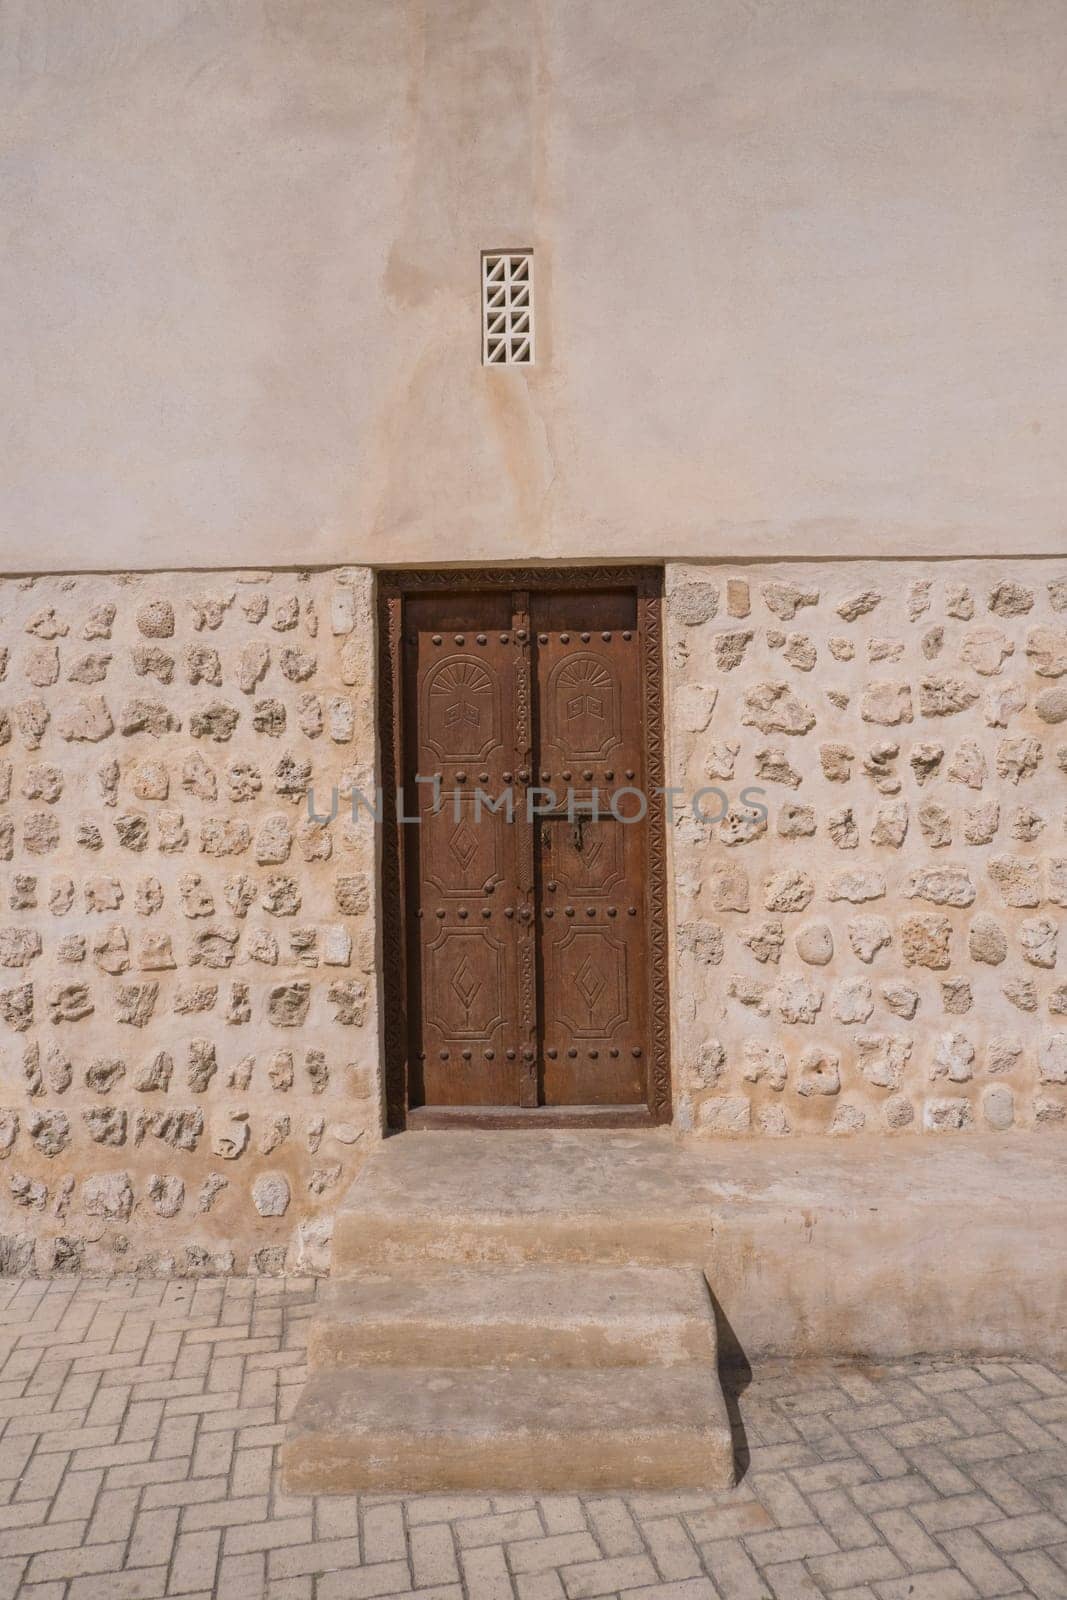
{"x": 392, "y": 589}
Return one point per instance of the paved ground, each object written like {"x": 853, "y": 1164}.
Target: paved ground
{"x": 141, "y": 1422}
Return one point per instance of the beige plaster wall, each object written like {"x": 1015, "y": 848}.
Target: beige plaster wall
{"x": 798, "y": 278}
{"x": 188, "y": 1016}
{"x": 881, "y": 948}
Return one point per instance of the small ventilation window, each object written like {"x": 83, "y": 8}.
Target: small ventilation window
{"x": 507, "y": 308}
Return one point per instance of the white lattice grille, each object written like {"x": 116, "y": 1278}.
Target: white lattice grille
{"x": 507, "y": 308}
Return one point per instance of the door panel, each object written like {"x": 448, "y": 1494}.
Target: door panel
{"x": 592, "y": 861}
{"x": 527, "y": 942}
{"x": 465, "y": 863}
{"x": 593, "y": 963}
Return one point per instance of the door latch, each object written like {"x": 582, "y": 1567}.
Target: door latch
{"x": 577, "y": 831}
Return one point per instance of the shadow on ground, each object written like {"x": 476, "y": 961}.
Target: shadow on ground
{"x": 735, "y": 1375}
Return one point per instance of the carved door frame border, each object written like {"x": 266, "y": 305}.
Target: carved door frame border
{"x": 392, "y": 588}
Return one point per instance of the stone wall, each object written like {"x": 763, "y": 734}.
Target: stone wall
{"x": 188, "y": 1037}
{"x": 189, "y": 1045}
{"x": 879, "y": 951}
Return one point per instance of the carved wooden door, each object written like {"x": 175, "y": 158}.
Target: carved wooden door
{"x": 530, "y": 978}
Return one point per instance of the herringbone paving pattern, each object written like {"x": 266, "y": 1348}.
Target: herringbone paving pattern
{"x": 142, "y": 1420}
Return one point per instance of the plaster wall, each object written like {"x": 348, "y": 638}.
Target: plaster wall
{"x": 798, "y": 276}
{"x": 188, "y": 1012}
{"x": 870, "y": 938}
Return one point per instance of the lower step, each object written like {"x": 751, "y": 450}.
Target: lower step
{"x": 417, "y": 1429}
{"x": 539, "y": 1315}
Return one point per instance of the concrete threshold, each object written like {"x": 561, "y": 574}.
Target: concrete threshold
{"x": 811, "y": 1247}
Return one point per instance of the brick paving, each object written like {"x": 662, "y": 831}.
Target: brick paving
{"x": 142, "y": 1422}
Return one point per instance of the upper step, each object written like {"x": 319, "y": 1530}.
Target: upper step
{"x": 416, "y": 1429}
{"x": 590, "y": 1196}
{"x": 539, "y": 1315}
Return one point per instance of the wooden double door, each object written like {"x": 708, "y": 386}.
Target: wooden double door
{"x": 529, "y": 851}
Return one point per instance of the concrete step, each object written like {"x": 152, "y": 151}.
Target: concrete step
{"x": 419, "y": 1429}
{"x": 592, "y": 1196}
{"x": 539, "y": 1315}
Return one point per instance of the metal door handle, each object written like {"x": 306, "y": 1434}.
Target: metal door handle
{"x": 577, "y": 832}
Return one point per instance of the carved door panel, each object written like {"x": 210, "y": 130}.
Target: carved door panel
{"x": 472, "y": 1022}
{"x": 532, "y": 978}
{"x": 591, "y": 853}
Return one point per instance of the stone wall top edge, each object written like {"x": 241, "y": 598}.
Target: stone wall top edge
{"x": 237, "y": 569}
{"x": 604, "y": 559}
